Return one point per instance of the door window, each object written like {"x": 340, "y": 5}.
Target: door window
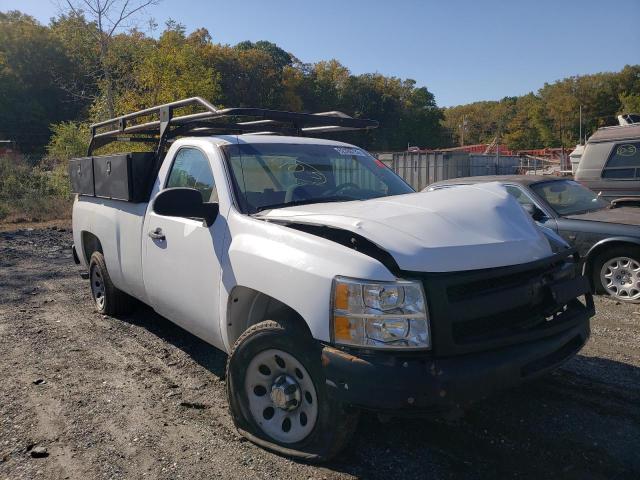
{"x": 624, "y": 162}
{"x": 191, "y": 169}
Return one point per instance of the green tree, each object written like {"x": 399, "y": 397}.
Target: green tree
{"x": 630, "y": 103}
{"x": 528, "y": 128}
{"x": 106, "y": 19}
{"x": 280, "y": 58}
{"x": 174, "y": 67}
{"x": 81, "y": 82}
{"x": 68, "y": 140}
{"x": 31, "y": 59}
{"x": 248, "y": 77}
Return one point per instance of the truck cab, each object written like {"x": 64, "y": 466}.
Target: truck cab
{"x": 330, "y": 283}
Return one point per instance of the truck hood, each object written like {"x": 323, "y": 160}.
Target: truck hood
{"x": 463, "y": 228}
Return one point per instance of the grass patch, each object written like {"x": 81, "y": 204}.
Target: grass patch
{"x": 33, "y": 192}
{"x": 35, "y": 209}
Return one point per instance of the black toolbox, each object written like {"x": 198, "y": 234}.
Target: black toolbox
{"x": 81, "y": 175}
{"x": 123, "y": 176}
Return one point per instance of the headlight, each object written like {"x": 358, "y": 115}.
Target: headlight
{"x": 388, "y": 315}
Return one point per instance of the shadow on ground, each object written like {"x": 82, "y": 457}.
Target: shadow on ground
{"x": 200, "y": 351}
{"x": 582, "y": 421}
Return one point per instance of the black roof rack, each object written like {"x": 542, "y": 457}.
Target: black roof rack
{"x": 161, "y": 124}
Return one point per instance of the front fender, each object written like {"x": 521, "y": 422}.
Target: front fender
{"x": 295, "y": 268}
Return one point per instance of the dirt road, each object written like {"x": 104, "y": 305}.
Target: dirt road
{"x": 141, "y": 398}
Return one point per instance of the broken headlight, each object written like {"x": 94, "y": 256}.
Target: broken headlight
{"x": 390, "y": 315}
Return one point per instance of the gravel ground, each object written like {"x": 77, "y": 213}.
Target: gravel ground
{"x": 87, "y": 396}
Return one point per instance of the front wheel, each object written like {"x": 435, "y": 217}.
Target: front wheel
{"x": 277, "y": 394}
{"x": 616, "y": 272}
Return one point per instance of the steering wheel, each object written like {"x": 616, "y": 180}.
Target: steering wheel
{"x": 342, "y": 186}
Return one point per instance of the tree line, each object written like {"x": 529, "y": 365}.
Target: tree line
{"x": 63, "y": 72}
{"x": 551, "y": 116}
{"x": 57, "y": 78}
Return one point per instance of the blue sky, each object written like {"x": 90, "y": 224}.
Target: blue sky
{"x": 461, "y": 50}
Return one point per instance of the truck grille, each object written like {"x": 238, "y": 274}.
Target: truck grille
{"x": 462, "y": 292}
{"x": 485, "y": 309}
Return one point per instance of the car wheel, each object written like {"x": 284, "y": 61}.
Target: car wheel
{"x": 107, "y": 298}
{"x": 616, "y": 272}
{"x": 278, "y": 398}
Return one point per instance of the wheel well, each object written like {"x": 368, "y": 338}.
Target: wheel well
{"x": 248, "y": 307}
{"x": 598, "y": 250}
{"x": 90, "y": 244}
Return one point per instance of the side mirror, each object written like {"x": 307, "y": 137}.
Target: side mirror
{"x": 534, "y": 211}
{"x": 186, "y": 203}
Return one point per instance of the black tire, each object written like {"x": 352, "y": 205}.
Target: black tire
{"x": 335, "y": 423}
{"x": 106, "y": 297}
{"x": 599, "y": 261}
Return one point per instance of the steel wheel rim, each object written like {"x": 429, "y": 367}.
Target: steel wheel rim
{"x": 98, "y": 289}
{"x": 265, "y": 388}
{"x": 620, "y": 277}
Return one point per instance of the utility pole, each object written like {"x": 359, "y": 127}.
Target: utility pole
{"x": 462, "y": 128}
{"x": 580, "y": 137}
{"x": 497, "y": 155}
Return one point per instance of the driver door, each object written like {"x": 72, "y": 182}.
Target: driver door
{"x": 180, "y": 266}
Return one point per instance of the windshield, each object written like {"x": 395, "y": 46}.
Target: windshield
{"x": 272, "y": 175}
{"x": 567, "y": 197}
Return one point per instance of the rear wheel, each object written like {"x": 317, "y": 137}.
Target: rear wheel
{"x": 616, "y": 272}
{"x": 277, "y": 394}
{"x": 107, "y": 298}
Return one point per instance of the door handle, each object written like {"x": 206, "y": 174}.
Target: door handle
{"x": 156, "y": 234}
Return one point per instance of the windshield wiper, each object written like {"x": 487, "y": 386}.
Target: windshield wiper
{"x": 308, "y": 201}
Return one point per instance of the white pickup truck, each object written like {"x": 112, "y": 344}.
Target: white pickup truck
{"x": 331, "y": 284}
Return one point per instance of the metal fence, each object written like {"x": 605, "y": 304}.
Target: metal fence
{"x": 492, "y": 165}
{"x": 420, "y": 169}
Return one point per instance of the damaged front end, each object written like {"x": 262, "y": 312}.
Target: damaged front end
{"x": 491, "y": 329}
{"x": 346, "y": 238}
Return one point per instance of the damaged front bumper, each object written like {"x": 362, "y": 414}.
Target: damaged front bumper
{"x": 478, "y": 347}
{"x": 394, "y": 382}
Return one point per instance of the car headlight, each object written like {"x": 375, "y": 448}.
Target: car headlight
{"x": 391, "y": 315}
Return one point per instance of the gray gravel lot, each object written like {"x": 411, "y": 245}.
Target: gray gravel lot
{"x": 86, "y": 396}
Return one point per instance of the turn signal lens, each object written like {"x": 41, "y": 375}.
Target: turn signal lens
{"x": 341, "y": 329}
{"x": 345, "y": 329}
{"x": 342, "y": 296}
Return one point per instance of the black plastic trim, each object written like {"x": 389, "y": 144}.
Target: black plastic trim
{"x": 76, "y": 259}
{"x": 348, "y": 239}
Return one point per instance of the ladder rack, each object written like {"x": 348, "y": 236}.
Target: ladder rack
{"x": 159, "y": 124}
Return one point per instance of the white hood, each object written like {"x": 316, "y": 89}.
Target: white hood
{"x": 453, "y": 229}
